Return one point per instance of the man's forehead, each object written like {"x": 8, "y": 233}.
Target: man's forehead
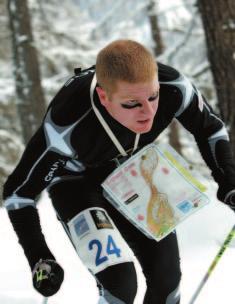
{"x": 125, "y": 89}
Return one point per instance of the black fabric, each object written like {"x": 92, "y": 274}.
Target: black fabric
{"x": 160, "y": 261}
{"x": 26, "y": 224}
{"x": 71, "y": 143}
{"x": 88, "y": 142}
{"x": 230, "y": 199}
{"x": 120, "y": 281}
{"x": 225, "y": 161}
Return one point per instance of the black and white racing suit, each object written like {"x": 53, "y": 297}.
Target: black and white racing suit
{"x": 71, "y": 154}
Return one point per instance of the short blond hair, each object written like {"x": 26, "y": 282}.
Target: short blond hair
{"x": 124, "y": 60}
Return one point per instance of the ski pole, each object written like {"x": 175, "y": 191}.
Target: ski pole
{"x": 45, "y": 300}
{"x": 214, "y": 263}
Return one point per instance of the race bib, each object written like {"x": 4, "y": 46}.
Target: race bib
{"x": 98, "y": 242}
{"x": 155, "y": 190}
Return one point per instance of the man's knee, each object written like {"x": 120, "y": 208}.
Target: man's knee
{"x": 174, "y": 296}
{"x": 163, "y": 291}
{"x": 118, "y": 284}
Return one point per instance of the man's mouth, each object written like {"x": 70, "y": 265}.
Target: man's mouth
{"x": 144, "y": 121}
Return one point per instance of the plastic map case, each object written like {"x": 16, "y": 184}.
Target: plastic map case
{"x": 155, "y": 190}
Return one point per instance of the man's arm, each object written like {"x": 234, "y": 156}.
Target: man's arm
{"x": 212, "y": 139}
{"x": 20, "y": 191}
{"x": 43, "y": 160}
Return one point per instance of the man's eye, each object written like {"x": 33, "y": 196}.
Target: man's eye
{"x": 153, "y": 98}
{"x": 134, "y": 103}
{"x": 130, "y": 106}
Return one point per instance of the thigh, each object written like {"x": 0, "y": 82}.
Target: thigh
{"x": 88, "y": 222}
{"x": 158, "y": 259}
{"x": 87, "y": 219}
{"x": 160, "y": 264}
{"x": 71, "y": 197}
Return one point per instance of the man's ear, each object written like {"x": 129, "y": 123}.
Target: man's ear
{"x": 102, "y": 96}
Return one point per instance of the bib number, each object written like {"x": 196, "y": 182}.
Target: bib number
{"x": 111, "y": 248}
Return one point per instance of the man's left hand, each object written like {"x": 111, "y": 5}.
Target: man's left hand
{"x": 230, "y": 199}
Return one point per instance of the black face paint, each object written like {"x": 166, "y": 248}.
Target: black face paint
{"x": 128, "y": 106}
{"x": 153, "y": 98}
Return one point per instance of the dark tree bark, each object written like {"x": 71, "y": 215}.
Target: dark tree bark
{"x": 219, "y": 24}
{"x": 155, "y": 30}
{"x": 30, "y": 99}
{"x": 158, "y": 50}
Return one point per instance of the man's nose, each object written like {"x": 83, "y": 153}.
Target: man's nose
{"x": 147, "y": 107}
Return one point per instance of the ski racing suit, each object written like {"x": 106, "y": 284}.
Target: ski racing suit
{"x": 71, "y": 154}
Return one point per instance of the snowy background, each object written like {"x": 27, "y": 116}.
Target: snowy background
{"x": 200, "y": 238}
{"x": 69, "y": 35}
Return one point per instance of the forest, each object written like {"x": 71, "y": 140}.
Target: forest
{"x": 42, "y": 42}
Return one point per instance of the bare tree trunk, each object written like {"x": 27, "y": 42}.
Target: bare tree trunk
{"x": 30, "y": 100}
{"x": 158, "y": 50}
{"x": 219, "y": 24}
{"x": 155, "y": 30}
{"x": 174, "y": 136}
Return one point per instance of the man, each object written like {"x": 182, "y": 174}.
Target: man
{"x": 89, "y": 128}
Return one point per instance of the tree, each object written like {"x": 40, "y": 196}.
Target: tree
{"x": 219, "y": 25}
{"x": 30, "y": 99}
{"x": 155, "y": 29}
{"x": 158, "y": 50}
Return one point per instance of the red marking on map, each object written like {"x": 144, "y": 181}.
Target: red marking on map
{"x": 133, "y": 172}
{"x": 140, "y": 217}
{"x": 165, "y": 170}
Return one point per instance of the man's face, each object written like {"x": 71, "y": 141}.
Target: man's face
{"x": 133, "y": 105}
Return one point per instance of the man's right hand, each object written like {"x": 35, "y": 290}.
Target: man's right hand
{"x": 47, "y": 277}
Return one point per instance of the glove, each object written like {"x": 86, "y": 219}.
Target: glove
{"x": 230, "y": 199}
{"x": 47, "y": 277}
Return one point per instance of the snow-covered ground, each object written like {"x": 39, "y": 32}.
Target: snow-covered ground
{"x": 200, "y": 238}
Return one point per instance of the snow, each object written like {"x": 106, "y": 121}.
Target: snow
{"x": 22, "y": 38}
{"x": 68, "y": 36}
{"x": 6, "y": 90}
{"x": 200, "y": 238}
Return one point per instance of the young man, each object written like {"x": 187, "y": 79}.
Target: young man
{"x": 88, "y": 128}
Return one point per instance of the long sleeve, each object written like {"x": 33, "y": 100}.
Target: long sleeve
{"x": 212, "y": 139}
{"x": 27, "y": 226}
{"x": 47, "y": 159}
{"x": 28, "y": 179}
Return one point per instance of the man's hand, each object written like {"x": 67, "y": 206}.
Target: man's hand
{"x": 230, "y": 199}
{"x": 47, "y": 277}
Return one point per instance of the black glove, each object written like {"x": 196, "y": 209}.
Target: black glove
{"x": 230, "y": 199}
{"x": 47, "y": 277}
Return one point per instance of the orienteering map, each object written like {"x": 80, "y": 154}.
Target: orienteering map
{"x": 155, "y": 190}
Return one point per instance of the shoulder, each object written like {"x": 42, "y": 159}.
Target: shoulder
{"x": 167, "y": 73}
{"x": 176, "y": 87}
{"x": 79, "y": 83}
{"x": 73, "y": 99}
{"x": 169, "y": 76}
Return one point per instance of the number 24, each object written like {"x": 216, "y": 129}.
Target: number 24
{"x": 110, "y": 249}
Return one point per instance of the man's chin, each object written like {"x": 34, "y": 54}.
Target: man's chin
{"x": 142, "y": 129}
{"x": 143, "y": 132}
